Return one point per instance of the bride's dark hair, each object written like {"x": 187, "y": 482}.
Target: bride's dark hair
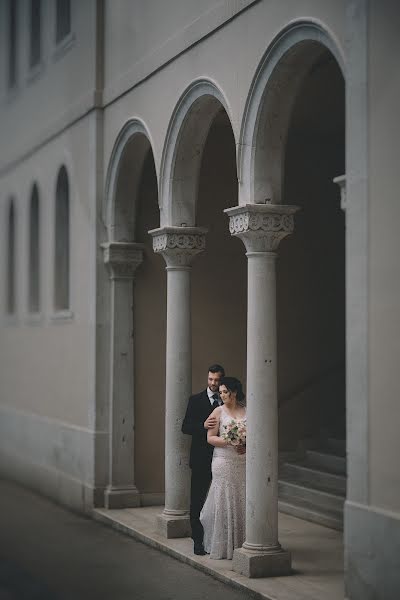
{"x": 233, "y": 385}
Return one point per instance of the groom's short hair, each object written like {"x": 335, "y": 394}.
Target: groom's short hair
{"x": 217, "y": 369}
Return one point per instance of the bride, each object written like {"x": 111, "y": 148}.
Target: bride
{"x": 223, "y": 514}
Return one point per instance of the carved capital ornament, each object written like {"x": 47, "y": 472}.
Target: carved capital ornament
{"x": 261, "y": 226}
{"x": 179, "y": 245}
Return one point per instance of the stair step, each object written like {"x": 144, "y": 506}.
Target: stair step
{"x": 298, "y": 473}
{"x": 325, "y": 461}
{"x": 321, "y": 500}
{"x": 314, "y": 488}
{"x": 304, "y": 510}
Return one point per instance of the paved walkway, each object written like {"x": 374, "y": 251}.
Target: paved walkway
{"x": 49, "y": 553}
{"x": 317, "y": 556}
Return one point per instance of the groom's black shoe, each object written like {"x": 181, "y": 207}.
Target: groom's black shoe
{"x": 199, "y": 549}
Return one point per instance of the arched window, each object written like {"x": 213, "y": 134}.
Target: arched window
{"x": 34, "y": 255}
{"x": 61, "y": 254}
{"x": 35, "y": 38}
{"x": 12, "y": 43}
{"x": 63, "y": 19}
{"x": 11, "y": 259}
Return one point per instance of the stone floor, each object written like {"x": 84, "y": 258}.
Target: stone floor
{"x": 317, "y": 555}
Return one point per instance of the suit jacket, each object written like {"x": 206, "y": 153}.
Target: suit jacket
{"x": 198, "y": 409}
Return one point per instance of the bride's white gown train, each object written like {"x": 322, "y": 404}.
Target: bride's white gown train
{"x": 223, "y": 514}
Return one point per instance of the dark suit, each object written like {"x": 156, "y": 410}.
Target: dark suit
{"x": 199, "y": 408}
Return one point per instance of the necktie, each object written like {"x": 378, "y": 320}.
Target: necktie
{"x": 215, "y": 403}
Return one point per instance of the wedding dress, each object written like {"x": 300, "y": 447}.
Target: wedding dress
{"x": 223, "y": 514}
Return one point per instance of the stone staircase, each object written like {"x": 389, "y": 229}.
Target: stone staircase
{"x": 312, "y": 485}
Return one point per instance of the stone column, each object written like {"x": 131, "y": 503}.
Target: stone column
{"x": 261, "y": 228}
{"x": 178, "y": 245}
{"x": 122, "y": 260}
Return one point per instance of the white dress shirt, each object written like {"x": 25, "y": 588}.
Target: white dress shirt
{"x": 210, "y": 397}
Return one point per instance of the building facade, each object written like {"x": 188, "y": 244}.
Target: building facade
{"x": 185, "y": 183}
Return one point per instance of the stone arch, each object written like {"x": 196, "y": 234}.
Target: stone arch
{"x": 269, "y": 105}
{"x": 275, "y": 152}
{"x": 122, "y": 255}
{"x": 119, "y": 212}
{"x": 182, "y": 154}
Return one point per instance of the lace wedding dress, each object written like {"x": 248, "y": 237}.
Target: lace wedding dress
{"x": 223, "y": 514}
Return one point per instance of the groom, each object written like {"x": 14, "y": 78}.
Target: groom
{"x": 196, "y": 423}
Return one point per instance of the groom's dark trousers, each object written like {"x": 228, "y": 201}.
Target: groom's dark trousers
{"x": 198, "y": 410}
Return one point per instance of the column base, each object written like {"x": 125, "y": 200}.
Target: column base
{"x": 173, "y": 526}
{"x": 262, "y": 564}
{"x": 128, "y": 497}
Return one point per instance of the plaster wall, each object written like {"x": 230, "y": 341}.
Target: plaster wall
{"x": 141, "y": 37}
{"x": 47, "y": 360}
{"x": 150, "y": 296}
{"x": 229, "y": 56}
{"x": 65, "y": 77}
{"x": 372, "y": 523}
{"x": 384, "y": 94}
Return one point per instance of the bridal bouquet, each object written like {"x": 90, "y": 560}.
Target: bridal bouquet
{"x": 234, "y": 433}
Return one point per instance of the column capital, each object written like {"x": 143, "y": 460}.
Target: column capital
{"x": 179, "y": 245}
{"x": 122, "y": 258}
{"x": 261, "y": 227}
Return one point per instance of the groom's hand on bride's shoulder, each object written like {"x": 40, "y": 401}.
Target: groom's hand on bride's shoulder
{"x": 210, "y": 422}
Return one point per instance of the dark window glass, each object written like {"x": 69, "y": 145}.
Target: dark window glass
{"x": 34, "y": 257}
{"x": 35, "y": 53}
{"x": 11, "y": 260}
{"x": 12, "y": 43}
{"x": 61, "y": 262}
{"x": 63, "y": 19}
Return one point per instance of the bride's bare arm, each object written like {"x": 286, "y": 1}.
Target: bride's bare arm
{"x": 212, "y": 434}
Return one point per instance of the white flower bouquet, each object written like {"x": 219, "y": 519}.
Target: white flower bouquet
{"x": 234, "y": 433}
